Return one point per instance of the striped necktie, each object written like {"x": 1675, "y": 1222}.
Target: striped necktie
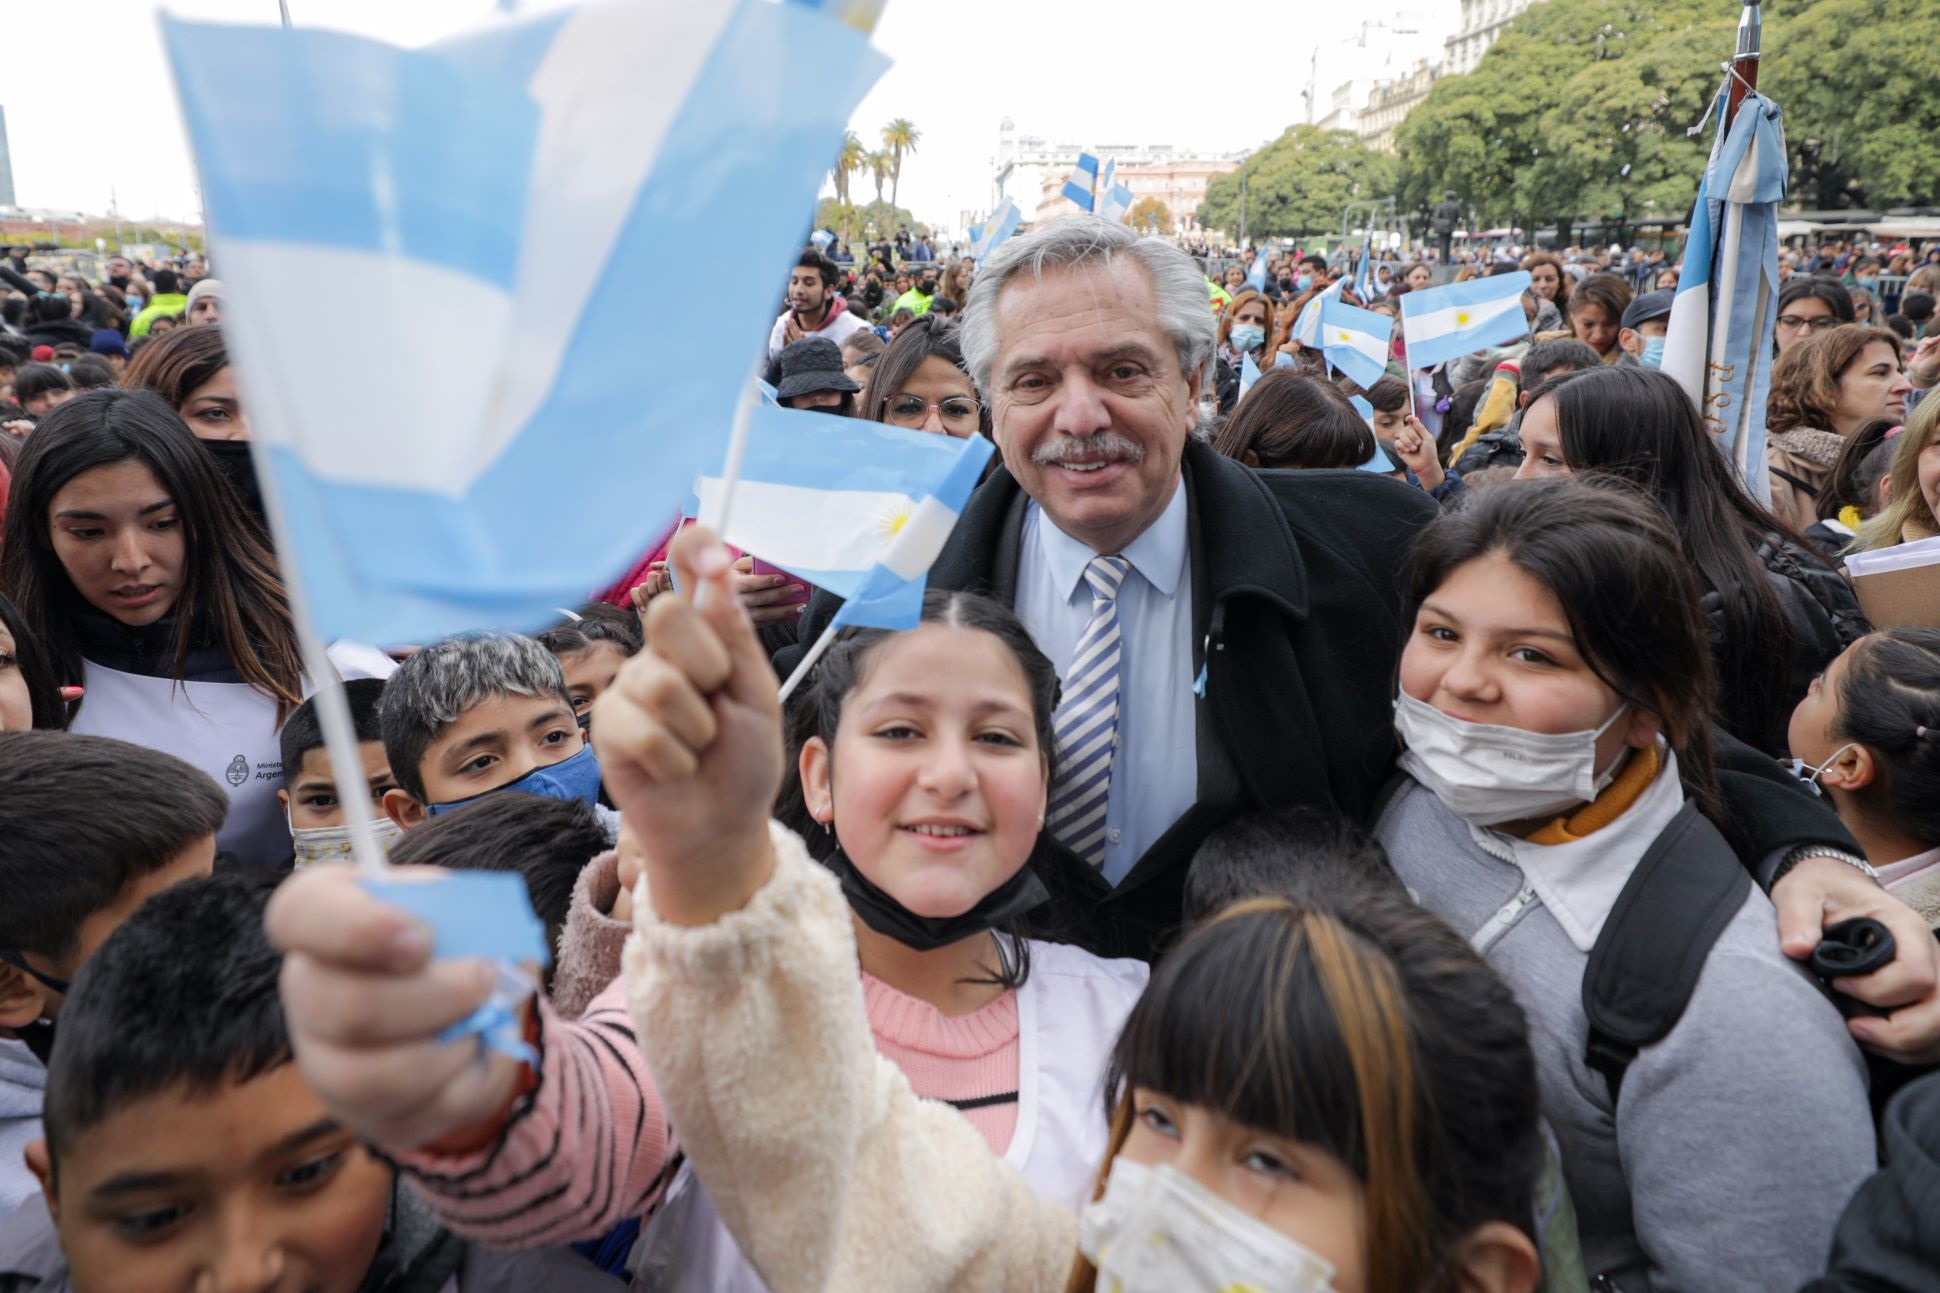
{"x": 1086, "y": 724}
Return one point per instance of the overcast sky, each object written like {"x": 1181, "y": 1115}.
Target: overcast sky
{"x": 93, "y": 109}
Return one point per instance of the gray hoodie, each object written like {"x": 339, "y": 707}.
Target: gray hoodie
{"x": 23, "y": 1083}
{"x": 1739, "y": 1137}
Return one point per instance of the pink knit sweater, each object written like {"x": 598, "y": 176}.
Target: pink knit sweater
{"x": 590, "y": 1146}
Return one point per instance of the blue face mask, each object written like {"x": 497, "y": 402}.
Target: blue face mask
{"x": 1653, "y": 356}
{"x": 1302, "y": 283}
{"x": 1246, "y": 336}
{"x": 577, "y": 777}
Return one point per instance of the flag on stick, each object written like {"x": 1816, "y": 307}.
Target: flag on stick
{"x": 1443, "y": 323}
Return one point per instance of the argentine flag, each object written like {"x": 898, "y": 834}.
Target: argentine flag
{"x": 1719, "y": 344}
{"x": 823, "y": 497}
{"x": 1443, "y": 323}
{"x": 1115, "y": 203}
{"x": 1364, "y": 276}
{"x": 1306, "y": 328}
{"x": 992, "y": 234}
{"x": 891, "y": 595}
{"x": 1256, "y": 276}
{"x": 505, "y": 193}
{"x": 1082, "y": 187}
{"x": 1249, "y": 372}
{"x": 1355, "y": 340}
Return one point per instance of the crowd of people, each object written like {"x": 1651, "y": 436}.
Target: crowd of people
{"x": 1467, "y": 841}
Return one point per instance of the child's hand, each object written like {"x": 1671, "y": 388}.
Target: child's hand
{"x": 763, "y": 595}
{"x": 1417, "y": 449}
{"x": 689, "y": 741}
{"x": 364, "y": 1005}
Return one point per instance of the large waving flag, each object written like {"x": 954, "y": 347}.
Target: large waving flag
{"x": 992, "y": 234}
{"x": 1443, "y": 323}
{"x": 1355, "y": 340}
{"x": 1364, "y": 275}
{"x": 1719, "y": 346}
{"x": 822, "y": 496}
{"x": 1082, "y": 187}
{"x": 505, "y": 191}
{"x": 1306, "y": 328}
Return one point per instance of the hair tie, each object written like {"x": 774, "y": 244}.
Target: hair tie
{"x": 1891, "y": 432}
{"x": 1441, "y": 405}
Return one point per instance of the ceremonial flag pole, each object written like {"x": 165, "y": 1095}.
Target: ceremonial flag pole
{"x": 1724, "y": 317}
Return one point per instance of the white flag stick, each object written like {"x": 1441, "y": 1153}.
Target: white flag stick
{"x": 808, "y": 662}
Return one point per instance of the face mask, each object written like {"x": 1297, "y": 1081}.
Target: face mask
{"x": 333, "y": 843}
{"x": 1487, "y": 775}
{"x": 1286, "y": 284}
{"x": 1870, "y": 284}
{"x": 1653, "y": 356}
{"x": 239, "y": 469}
{"x": 1302, "y": 283}
{"x": 134, "y": 303}
{"x": 1246, "y": 336}
{"x": 1800, "y": 768}
{"x": 1159, "y": 1231}
{"x": 879, "y": 911}
{"x": 575, "y": 778}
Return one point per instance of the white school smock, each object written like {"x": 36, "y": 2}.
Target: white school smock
{"x": 227, "y": 729}
{"x": 1069, "y": 1013}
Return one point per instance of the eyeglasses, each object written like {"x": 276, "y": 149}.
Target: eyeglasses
{"x": 1793, "y": 323}
{"x": 913, "y": 411}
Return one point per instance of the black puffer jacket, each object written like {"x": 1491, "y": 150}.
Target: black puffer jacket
{"x": 1825, "y": 619}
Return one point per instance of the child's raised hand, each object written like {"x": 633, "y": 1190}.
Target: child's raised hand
{"x": 365, "y": 1004}
{"x": 689, "y": 741}
{"x": 1417, "y": 449}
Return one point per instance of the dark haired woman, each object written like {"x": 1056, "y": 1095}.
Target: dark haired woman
{"x": 1778, "y": 611}
{"x": 190, "y": 369}
{"x": 920, "y": 383}
{"x": 139, "y": 577}
{"x": 1555, "y": 708}
{"x": 1596, "y": 314}
{"x": 1288, "y": 419}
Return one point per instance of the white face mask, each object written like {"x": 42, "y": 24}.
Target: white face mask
{"x": 1488, "y": 774}
{"x": 1159, "y": 1231}
{"x": 333, "y": 843}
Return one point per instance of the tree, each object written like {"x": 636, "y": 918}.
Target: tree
{"x": 900, "y": 138}
{"x": 851, "y": 158}
{"x": 878, "y": 164}
{"x": 1149, "y": 215}
{"x": 1298, "y": 184}
{"x": 1580, "y": 112}
{"x": 855, "y": 220}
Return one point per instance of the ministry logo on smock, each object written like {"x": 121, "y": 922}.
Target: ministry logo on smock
{"x": 238, "y": 771}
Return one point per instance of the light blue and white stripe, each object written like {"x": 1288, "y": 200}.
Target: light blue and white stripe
{"x": 891, "y": 597}
{"x": 1355, "y": 340}
{"x": 507, "y": 191}
{"x": 1443, "y": 323}
{"x": 823, "y": 497}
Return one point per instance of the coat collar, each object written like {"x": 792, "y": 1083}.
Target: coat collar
{"x": 1247, "y": 546}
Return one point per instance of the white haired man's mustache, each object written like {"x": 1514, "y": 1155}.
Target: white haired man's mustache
{"x": 1105, "y": 446}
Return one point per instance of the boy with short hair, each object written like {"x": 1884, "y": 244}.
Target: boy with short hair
{"x": 184, "y": 1149}
{"x": 37, "y": 388}
{"x": 70, "y": 872}
{"x": 309, "y": 795}
{"x": 477, "y": 713}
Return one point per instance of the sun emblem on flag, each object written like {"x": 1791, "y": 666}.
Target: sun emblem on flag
{"x": 893, "y": 519}
{"x": 1345, "y": 337}
{"x": 1461, "y": 317}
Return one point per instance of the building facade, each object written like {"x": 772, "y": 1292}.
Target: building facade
{"x": 1482, "y": 22}
{"x": 1390, "y": 102}
{"x": 1032, "y": 170}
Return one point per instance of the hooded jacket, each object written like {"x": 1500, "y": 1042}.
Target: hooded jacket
{"x": 838, "y": 325}
{"x": 23, "y": 1085}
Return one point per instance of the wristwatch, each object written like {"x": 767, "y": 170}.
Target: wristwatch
{"x": 1805, "y": 851}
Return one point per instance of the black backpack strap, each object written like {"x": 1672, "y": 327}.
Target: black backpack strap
{"x": 1646, "y": 962}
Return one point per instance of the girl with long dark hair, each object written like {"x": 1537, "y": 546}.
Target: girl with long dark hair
{"x": 1777, "y": 611}
{"x": 138, "y": 576}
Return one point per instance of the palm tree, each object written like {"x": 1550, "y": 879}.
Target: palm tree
{"x": 852, "y": 158}
{"x": 900, "y": 138}
{"x": 879, "y": 165}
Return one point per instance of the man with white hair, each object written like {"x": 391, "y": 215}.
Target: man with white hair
{"x": 1227, "y": 639}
